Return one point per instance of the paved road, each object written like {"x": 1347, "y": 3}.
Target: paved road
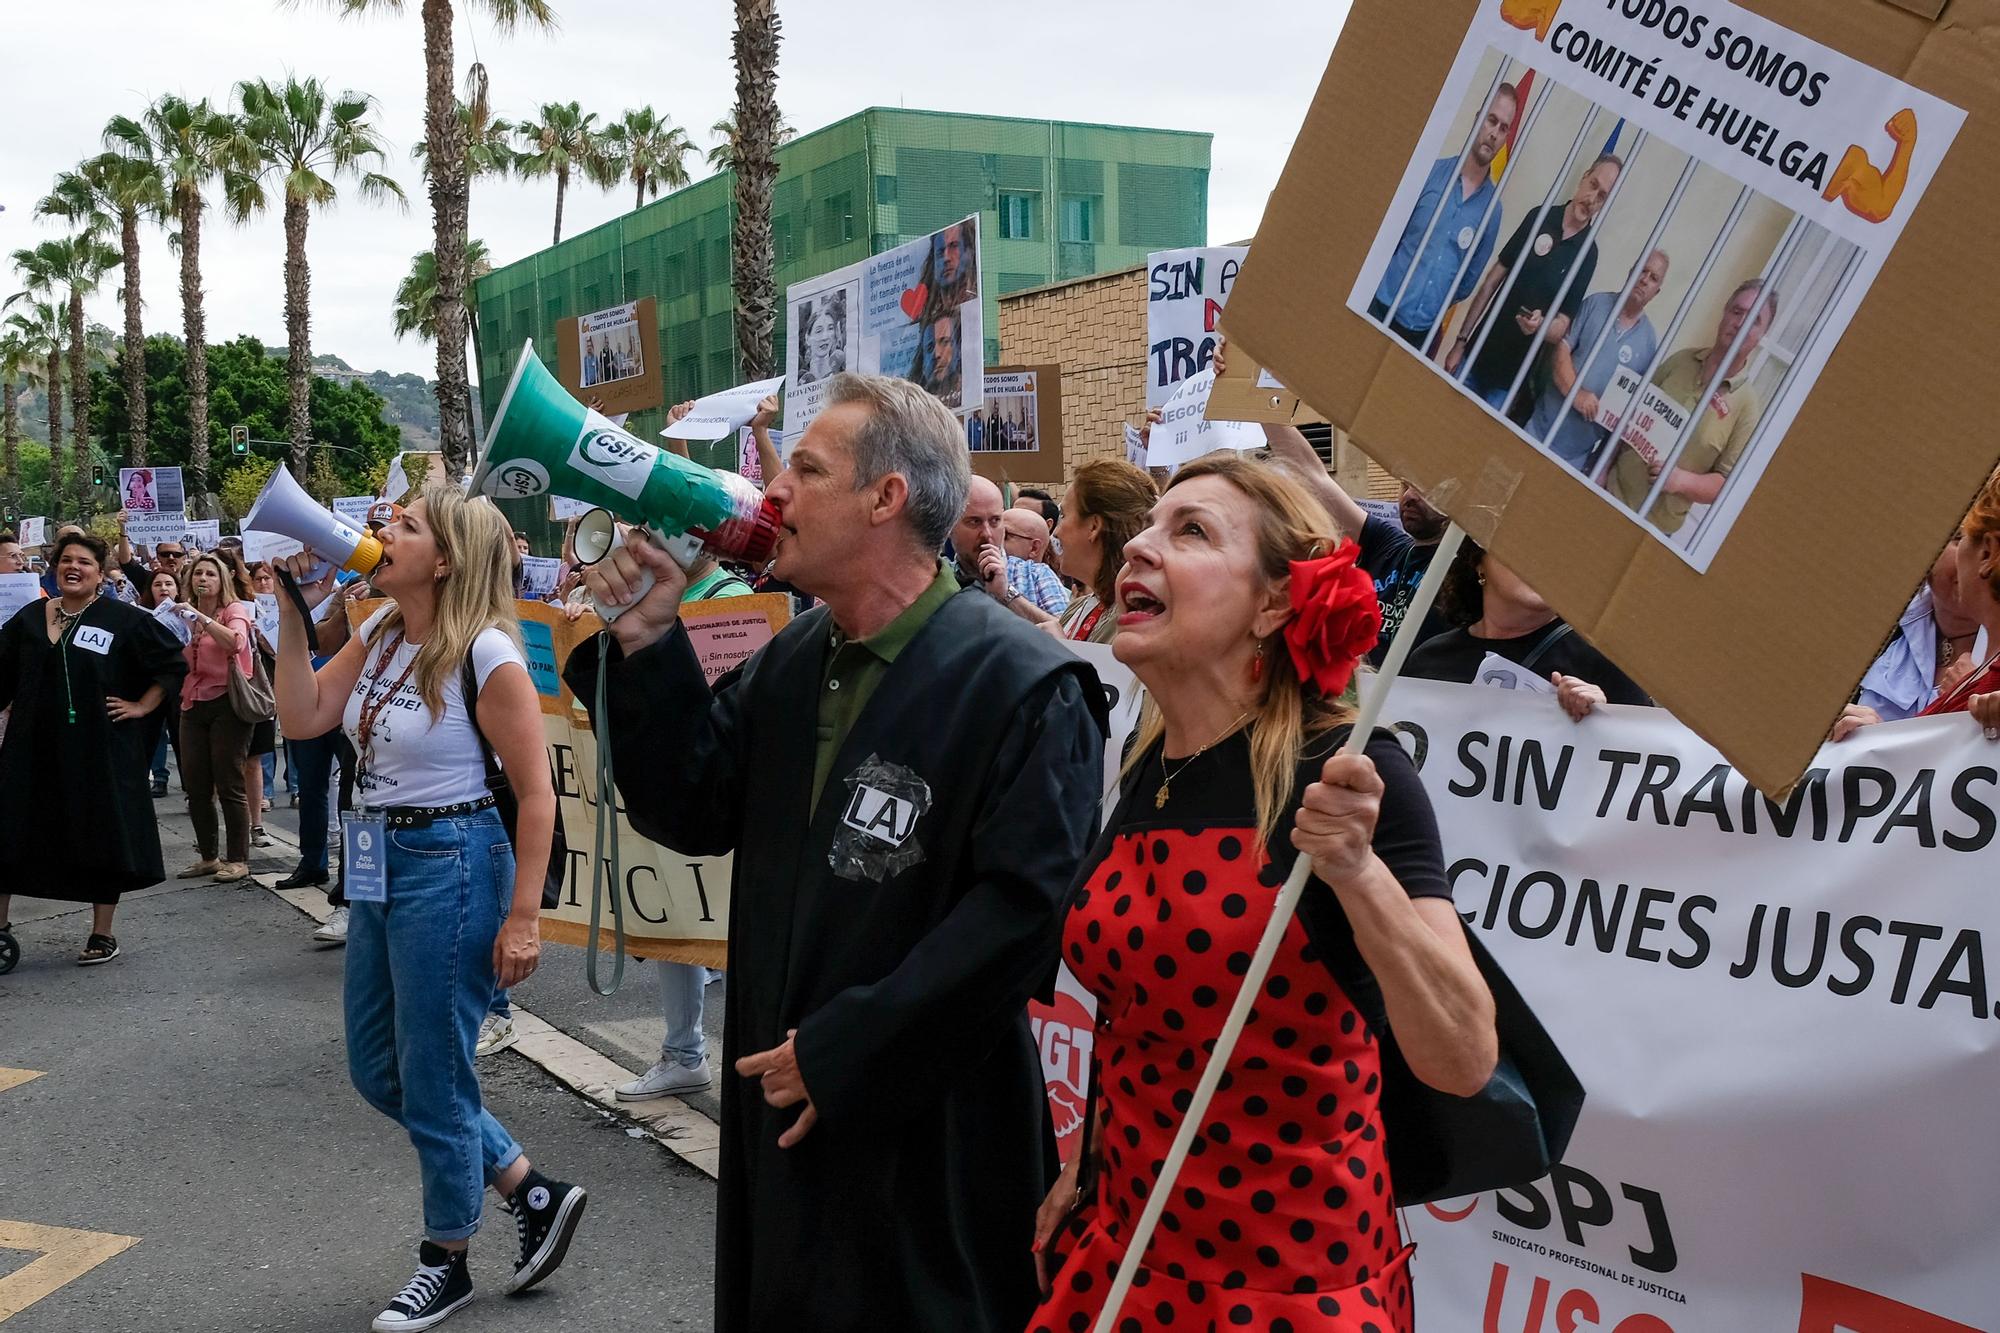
{"x": 195, "y": 1095}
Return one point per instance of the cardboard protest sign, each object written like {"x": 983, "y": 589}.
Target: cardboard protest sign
{"x": 538, "y": 576}
{"x": 1185, "y": 293}
{"x": 1740, "y": 182}
{"x": 1245, "y": 391}
{"x": 1184, "y": 431}
{"x": 676, "y": 907}
{"x": 1749, "y": 990}
{"x": 1018, "y": 432}
{"x": 151, "y": 490}
{"x": 719, "y": 414}
{"x": 613, "y": 356}
{"x": 912, "y": 312}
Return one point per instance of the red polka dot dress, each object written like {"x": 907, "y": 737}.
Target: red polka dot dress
{"x": 1283, "y": 1217}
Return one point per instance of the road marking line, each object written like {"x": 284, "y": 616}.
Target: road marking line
{"x": 66, "y": 1254}
{"x": 14, "y": 1078}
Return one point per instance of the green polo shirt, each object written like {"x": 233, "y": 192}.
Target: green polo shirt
{"x": 854, "y": 668}
{"x": 1721, "y": 433}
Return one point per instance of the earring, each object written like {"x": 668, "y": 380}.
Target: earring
{"x": 1257, "y": 666}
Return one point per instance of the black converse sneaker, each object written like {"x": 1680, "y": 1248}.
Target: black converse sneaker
{"x": 439, "y": 1288}
{"x": 545, "y": 1214}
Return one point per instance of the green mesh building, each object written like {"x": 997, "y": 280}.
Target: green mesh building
{"x": 1056, "y": 200}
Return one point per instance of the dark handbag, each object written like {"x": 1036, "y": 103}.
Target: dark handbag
{"x": 503, "y": 796}
{"x": 1446, "y": 1147}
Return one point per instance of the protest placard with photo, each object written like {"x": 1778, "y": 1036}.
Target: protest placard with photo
{"x": 34, "y": 531}
{"x": 613, "y": 356}
{"x": 203, "y": 534}
{"x": 912, "y": 312}
{"x": 539, "y": 574}
{"x": 1185, "y": 293}
{"x": 151, "y": 490}
{"x": 1590, "y": 244}
{"x": 1756, "y": 150}
{"x": 1007, "y": 424}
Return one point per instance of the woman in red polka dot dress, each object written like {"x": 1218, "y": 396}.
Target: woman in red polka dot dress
{"x": 1244, "y": 632}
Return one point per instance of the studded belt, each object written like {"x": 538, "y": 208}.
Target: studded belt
{"x": 423, "y": 816}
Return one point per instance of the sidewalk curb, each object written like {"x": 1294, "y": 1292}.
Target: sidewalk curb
{"x": 668, "y": 1121}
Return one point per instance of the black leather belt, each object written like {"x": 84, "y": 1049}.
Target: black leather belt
{"x": 423, "y": 816}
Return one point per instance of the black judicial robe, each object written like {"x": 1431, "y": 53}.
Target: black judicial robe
{"x": 76, "y": 804}
{"x": 901, "y": 926}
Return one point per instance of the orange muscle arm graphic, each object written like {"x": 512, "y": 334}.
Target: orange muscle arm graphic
{"x": 1867, "y": 192}
{"x": 1537, "y": 14}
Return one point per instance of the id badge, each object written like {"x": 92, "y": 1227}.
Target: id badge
{"x": 363, "y": 855}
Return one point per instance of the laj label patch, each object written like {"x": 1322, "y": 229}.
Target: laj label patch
{"x": 878, "y": 824}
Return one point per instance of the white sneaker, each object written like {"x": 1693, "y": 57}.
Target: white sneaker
{"x": 495, "y": 1034}
{"x": 665, "y": 1079}
{"x": 334, "y": 929}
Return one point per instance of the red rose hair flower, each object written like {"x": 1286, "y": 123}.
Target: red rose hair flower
{"x": 1335, "y": 618}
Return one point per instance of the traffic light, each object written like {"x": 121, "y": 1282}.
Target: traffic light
{"x": 239, "y": 439}
{"x": 97, "y": 474}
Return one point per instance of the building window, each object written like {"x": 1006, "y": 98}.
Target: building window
{"x": 837, "y": 219}
{"x": 677, "y": 275}
{"x": 632, "y": 287}
{"x": 1017, "y": 216}
{"x": 1080, "y": 217}
{"x": 885, "y": 189}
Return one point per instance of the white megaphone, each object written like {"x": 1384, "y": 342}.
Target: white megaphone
{"x": 285, "y": 509}
{"x": 598, "y": 535}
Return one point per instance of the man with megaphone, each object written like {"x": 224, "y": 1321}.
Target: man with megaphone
{"x": 908, "y": 777}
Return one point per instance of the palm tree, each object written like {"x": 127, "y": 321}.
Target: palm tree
{"x": 417, "y": 306}
{"x": 193, "y": 144}
{"x": 39, "y": 326}
{"x": 445, "y": 151}
{"x": 127, "y": 189}
{"x": 20, "y": 365}
{"x": 73, "y": 265}
{"x": 565, "y": 139}
{"x": 488, "y": 140}
{"x": 647, "y": 150}
{"x": 756, "y": 122}
{"x": 306, "y": 139}
{"x": 723, "y": 156}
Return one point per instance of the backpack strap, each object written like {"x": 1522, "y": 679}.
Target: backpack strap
{"x": 1559, "y": 631}
{"x": 468, "y": 687}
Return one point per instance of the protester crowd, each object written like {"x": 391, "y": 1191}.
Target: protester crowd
{"x": 910, "y": 777}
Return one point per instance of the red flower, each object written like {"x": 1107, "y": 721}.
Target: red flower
{"x": 1335, "y": 618}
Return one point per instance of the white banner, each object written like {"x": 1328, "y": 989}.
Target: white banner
{"x": 16, "y": 591}
{"x": 1184, "y": 433}
{"x": 1185, "y": 293}
{"x": 912, "y": 312}
{"x": 1781, "y": 1011}
{"x": 354, "y": 509}
{"x": 719, "y": 414}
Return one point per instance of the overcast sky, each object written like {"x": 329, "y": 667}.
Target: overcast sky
{"x": 1243, "y": 72}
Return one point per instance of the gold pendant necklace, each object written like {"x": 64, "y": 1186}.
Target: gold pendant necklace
{"x": 1166, "y": 778}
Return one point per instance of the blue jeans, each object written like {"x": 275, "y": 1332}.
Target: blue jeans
{"x": 160, "y": 760}
{"x": 419, "y": 977}
{"x": 681, "y": 995}
{"x": 313, "y": 760}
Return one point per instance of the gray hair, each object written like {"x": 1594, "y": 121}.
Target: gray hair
{"x": 911, "y": 432}
{"x": 1767, "y": 309}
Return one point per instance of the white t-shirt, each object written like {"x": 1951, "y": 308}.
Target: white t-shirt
{"x": 418, "y": 761}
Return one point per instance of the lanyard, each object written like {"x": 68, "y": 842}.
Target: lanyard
{"x": 372, "y": 705}
{"x": 1963, "y": 690}
{"x": 1083, "y": 627}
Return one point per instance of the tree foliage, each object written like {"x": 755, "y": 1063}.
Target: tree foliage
{"x": 243, "y": 483}
{"x": 247, "y": 386}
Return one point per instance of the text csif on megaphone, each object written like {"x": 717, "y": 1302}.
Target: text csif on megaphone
{"x": 284, "y": 509}
{"x": 543, "y": 441}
